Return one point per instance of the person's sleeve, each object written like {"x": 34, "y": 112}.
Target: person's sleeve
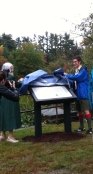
{"x": 78, "y": 77}
{"x": 8, "y": 94}
{"x": 18, "y": 84}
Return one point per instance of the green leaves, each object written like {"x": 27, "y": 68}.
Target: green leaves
{"x": 26, "y": 59}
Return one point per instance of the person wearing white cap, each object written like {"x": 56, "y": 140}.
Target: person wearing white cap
{"x": 10, "y": 111}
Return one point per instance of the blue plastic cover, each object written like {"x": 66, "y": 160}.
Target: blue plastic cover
{"x": 41, "y": 78}
{"x": 29, "y": 78}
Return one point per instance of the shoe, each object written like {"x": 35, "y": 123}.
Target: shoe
{"x": 80, "y": 129}
{"x": 89, "y": 131}
{"x": 12, "y": 141}
{"x": 2, "y": 138}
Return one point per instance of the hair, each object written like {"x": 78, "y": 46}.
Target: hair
{"x": 78, "y": 58}
{"x": 6, "y": 66}
{"x": 2, "y": 75}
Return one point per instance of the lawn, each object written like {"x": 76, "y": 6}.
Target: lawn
{"x": 65, "y": 157}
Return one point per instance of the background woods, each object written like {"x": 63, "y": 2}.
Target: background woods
{"x": 49, "y": 51}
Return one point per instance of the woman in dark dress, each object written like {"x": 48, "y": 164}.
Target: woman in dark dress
{"x": 10, "y": 111}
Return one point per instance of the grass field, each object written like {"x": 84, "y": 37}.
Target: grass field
{"x": 65, "y": 157}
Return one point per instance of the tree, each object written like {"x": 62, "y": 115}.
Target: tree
{"x": 26, "y": 59}
{"x": 56, "y": 46}
{"x": 26, "y": 40}
{"x": 2, "y": 59}
{"x": 8, "y": 43}
{"x": 86, "y": 27}
{"x": 18, "y": 42}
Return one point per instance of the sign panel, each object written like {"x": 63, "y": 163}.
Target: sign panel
{"x": 51, "y": 92}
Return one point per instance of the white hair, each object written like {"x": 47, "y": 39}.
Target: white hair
{"x": 6, "y": 66}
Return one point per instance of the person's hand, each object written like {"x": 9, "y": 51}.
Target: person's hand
{"x": 65, "y": 74}
{"x": 21, "y": 79}
{"x": 11, "y": 85}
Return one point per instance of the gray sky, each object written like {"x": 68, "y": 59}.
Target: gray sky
{"x": 29, "y": 17}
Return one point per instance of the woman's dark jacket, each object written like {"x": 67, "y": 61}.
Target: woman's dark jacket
{"x": 8, "y": 94}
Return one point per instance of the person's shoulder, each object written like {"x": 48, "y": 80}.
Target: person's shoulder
{"x": 10, "y": 77}
{"x": 3, "y": 88}
{"x": 83, "y": 68}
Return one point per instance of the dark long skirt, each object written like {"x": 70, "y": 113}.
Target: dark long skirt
{"x": 10, "y": 117}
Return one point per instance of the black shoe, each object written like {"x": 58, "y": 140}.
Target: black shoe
{"x": 80, "y": 129}
{"x": 89, "y": 131}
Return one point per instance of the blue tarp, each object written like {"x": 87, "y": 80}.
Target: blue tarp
{"x": 29, "y": 78}
{"x": 41, "y": 78}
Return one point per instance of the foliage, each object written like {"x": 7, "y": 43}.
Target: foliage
{"x": 57, "y": 45}
{"x": 26, "y": 109}
{"x": 57, "y": 64}
{"x": 8, "y": 44}
{"x": 87, "y": 57}
{"x": 26, "y": 59}
{"x": 2, "y": 59}
{"x": 86, "y": 28}
{"x": 1, "y": 49}
{"x": 28, "y": 54}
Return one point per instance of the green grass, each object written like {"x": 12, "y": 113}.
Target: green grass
{"x": 74, "y": 156}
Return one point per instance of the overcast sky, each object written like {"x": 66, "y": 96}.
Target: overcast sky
{"x": 28, "y": 17}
